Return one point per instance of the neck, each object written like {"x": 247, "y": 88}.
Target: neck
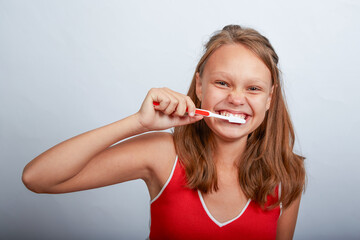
{"x": 227, "y": 154}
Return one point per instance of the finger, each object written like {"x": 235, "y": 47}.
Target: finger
{"x": 172, "y": 105}
{"x": 190, "y": 106}
{"x": 183, "y": 102}
{"x": 195, "y": 118}
{"x": 178, "y": 103}
{"x": 189, "y": 120}
{"x": 181, "y": 107}
{"x": 163, "y": 98}
{"x": 155, "y": 95}
{"x": 174, "y": 101}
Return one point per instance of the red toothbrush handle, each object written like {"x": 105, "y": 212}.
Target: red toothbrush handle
{"x": 197, "y": 111}
{"x": 202, "y": 112}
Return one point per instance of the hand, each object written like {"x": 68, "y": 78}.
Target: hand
{"x": 169, "y": 113}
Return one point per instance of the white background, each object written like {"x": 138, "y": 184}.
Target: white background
{"x": 67, "y": 67}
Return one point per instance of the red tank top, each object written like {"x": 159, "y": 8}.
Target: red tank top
{"x": 178, "y": 212}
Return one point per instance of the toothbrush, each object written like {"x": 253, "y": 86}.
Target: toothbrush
{"x": 207, "y": 113}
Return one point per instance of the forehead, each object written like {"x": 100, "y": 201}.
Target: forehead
{"x": 237, "y": 62}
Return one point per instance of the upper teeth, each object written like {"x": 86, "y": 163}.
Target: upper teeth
{"x": 225, "y": 113}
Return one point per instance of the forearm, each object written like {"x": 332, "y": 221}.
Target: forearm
{"x": 68, "y": 158}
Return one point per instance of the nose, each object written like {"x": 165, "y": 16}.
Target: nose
{"x": 237, "y": 97}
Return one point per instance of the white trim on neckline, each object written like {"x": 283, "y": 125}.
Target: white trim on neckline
{"x": 216, "y": 221}
{"x": 279, "y": 195}
{"x": 167, "y": 181}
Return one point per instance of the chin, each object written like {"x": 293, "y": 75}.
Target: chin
{"x": 231, "y": 137}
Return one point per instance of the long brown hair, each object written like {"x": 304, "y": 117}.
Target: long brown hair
{"x": 269, "y": 158}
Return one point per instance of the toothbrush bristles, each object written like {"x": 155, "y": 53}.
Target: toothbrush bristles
{"x": 236, "y": 120}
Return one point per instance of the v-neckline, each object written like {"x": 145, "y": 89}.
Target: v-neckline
{"x": 216, "y": 221}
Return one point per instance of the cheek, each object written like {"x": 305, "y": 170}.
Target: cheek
{"x": 211, "y": 98}
{"x": 258, "y": 104}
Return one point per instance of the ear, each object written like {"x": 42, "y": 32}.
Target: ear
{"x": 268, "y": 101}
{"x": 198, "y": 86}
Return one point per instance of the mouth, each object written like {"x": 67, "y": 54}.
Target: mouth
{"x": 228, "y": 113}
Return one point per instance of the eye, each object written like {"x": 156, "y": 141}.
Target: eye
{"x": 222, "y": 83}
{"x": 254, "y": 88}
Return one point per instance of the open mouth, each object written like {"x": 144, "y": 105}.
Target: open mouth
{"x": 228, "y": 114}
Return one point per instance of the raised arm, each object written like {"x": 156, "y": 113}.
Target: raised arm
{"x": 87, "y": 160}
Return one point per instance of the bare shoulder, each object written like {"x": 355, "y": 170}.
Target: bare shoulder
{"x": 157, "y": 144}
{"x": 156, "y": 148}
{"x": 161, "y": 148}
{"x": 162, "y": 142}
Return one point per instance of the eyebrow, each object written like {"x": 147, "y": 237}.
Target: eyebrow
{"x": 229, "y": 76}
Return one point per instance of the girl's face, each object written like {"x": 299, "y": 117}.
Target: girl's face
{"x": 234, "y": 81}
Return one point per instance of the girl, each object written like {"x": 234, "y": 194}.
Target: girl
{"x": 210, "y": 179}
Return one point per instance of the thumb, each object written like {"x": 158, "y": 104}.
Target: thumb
{"x": 190, "y": 120}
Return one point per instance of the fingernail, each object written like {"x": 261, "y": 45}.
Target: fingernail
{"x": 192, "y": 114}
